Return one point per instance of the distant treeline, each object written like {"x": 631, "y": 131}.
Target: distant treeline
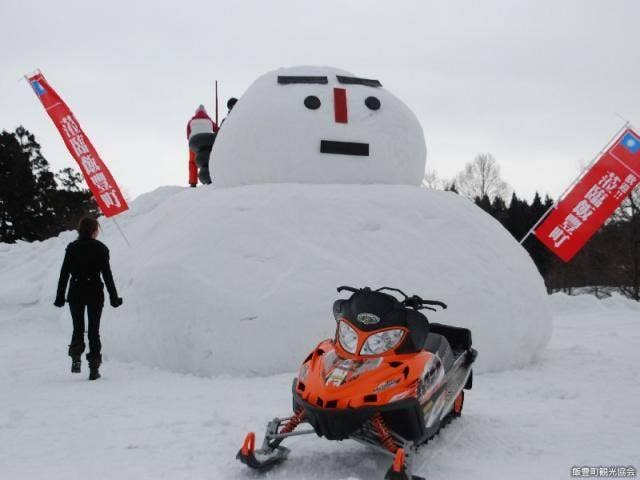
{"x": 609, "y": 261}
{"x": 36, "y": 203}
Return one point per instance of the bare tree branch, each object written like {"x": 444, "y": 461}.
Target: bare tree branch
{"x": 482, "y": 177}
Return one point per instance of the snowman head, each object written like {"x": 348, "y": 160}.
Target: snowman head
{"x": 319, "y": 125}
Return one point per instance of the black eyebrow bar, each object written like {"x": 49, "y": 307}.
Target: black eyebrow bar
{"x": 359, "y": 81}
{"x": 288, "y": 80}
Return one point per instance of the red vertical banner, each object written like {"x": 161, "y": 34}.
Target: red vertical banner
{"x": 593, "y": 199}
{"x": 104, "y": 188}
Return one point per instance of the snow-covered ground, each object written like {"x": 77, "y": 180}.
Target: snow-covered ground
{"x": 577, "y": 406}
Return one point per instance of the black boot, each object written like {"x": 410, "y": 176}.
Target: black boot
{"x": 204, "y": 176}
{"x": 94, "y": 373}
{"x": 75, "y": 364}
{"x": 94, "y": 365}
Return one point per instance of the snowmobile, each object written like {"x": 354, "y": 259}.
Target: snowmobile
{"x": 388, "y": 379}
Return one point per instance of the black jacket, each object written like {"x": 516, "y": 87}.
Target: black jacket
{"x": 85, "y": 260}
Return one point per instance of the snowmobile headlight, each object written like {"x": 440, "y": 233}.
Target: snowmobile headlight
{"x": 381, "y": 342}
{"x": 348, "y": 337}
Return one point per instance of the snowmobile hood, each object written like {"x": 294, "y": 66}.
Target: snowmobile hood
{"x": 328, "y": 379}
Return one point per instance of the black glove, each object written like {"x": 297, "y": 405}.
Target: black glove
{"x": 59, "y": 302}
{"x": 116, "y": 302}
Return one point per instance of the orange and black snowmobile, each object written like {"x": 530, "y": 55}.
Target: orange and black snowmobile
{"x": 388, "y": 379}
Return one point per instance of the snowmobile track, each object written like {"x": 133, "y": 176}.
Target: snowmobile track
{"x": 445, "y": 421}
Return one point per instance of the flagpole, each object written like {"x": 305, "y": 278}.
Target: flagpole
{"x": 121, "y": 232}
{"x": 626, "y": 125}
{"x": 217, "y": 103}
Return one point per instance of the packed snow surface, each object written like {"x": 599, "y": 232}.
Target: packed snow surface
{"x": 576, "y": 407}
{"x": 242, "y": 280}
{"x": 271, "y": 136}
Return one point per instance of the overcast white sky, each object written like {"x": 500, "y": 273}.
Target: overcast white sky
{"x": 538, "y": 83}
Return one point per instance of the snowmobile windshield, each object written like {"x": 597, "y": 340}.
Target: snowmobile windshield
{"x": 338, "y": 370}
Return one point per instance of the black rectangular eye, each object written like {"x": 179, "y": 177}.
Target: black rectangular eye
{"x": 288, "y": 80}
{"x": 358, "y": 81}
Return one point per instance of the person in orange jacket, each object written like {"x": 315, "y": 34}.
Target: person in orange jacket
{"x": 201, "y": 133}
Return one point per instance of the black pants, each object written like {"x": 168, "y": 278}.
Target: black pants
{"x": 201, "y": 144}
{"x": 94, "y": 311}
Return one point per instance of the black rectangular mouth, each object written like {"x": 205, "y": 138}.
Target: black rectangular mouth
{"x": 344, "y": 148}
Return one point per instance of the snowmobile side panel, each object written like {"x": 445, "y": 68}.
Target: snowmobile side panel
{"x": 438, "y": 344}
{"x": 455, "y": 381}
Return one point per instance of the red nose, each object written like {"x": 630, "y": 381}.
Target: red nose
{"x": 340, "y": 104}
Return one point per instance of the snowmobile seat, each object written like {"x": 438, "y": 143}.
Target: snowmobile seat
{"x": 438, "y": 344}
{"x": 459, "y": 338}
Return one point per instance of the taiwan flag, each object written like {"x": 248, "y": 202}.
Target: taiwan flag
{"x": 627, "y": 150}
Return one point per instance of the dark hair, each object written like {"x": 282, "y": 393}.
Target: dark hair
{"x": 87, "y": 227}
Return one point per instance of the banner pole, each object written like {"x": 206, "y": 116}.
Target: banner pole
{"x": 217, "y": 103}
{"x": 121, "y": 232}
{"x": 626, "y": 125}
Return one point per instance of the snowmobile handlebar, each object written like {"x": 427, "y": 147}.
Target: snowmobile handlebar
{"x": 413, "y": 301}
{"x": 418, "y": 303}
{"x": 348, "y": 289}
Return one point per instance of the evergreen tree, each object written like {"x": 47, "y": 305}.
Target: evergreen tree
{"x": 536, "y": 209}
{"x": 32, "y": 206}
{"x": 451, "y": 188}
{"x": 72, "y": 201}
{"x": 484, "y": 203}
{"x": 499, "y": 210}
{"x": 516, "y": 221}
{"x": 45, "y": 187}
{"x": 18, "y": 198}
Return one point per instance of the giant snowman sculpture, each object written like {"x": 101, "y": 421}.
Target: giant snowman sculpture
{"x": 295, "y": 128}
{"x": 316, "y": 175}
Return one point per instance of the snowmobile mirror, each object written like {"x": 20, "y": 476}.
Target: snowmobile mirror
{"x": 337, "y": 308}
{"x": 435, "y": 303}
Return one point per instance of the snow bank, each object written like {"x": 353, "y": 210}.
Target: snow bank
{"x": 242, "y": 280}
{"x": 271, "y": 136}
{"x": 563, "y": 303}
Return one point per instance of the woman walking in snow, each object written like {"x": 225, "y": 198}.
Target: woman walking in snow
{"x": 85, "y": 260}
